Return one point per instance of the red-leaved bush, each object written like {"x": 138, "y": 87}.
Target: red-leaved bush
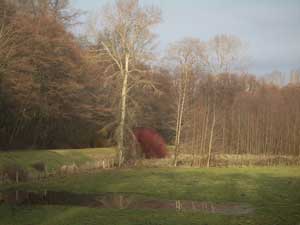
{"x": 152, "y": 144}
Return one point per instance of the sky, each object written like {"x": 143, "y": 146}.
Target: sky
{"x": 269, "y": 28}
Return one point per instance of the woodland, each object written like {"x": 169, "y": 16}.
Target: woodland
{"x": 60, "y": 89}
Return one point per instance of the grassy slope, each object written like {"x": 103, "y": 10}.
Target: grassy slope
{"x": 54, "y": 158}
{"x": 274, "y": 192}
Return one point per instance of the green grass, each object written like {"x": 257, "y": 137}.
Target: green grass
{"x": 273, "y": 192}
{"x": 54, "y": 158}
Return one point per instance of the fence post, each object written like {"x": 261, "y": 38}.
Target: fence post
{"x": 46, "y": 170}
{"x": 17, "y": 196}
{"x": 17, "y": 176}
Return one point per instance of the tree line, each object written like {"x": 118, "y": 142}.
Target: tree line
{"x": 58, "y": 90}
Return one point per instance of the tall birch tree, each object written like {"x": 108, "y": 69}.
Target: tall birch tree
{"x": 126, "y": 38}
{"x": 187, "y": 55}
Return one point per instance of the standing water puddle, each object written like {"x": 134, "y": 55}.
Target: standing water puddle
{"x": 118, "y": 201}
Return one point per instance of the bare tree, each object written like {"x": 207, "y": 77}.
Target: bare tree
{"x": 6, "y": 37}
{"x": 127, "y": 39}
{"x": 187, "y": 55}
{"x": 225, "y": 54}
{"x": 275, "y": 78}
{"x": 60, "y": 9}
{"x": 295, "y": 76}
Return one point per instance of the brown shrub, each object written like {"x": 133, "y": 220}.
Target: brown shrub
{"x": 152, "y": 144}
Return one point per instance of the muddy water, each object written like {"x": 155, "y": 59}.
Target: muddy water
{"x": 118, "y": 201}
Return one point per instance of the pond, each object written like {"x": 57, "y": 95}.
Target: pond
{"x": 118, "y": 201}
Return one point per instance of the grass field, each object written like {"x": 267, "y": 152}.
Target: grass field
{"x": 54, "y": 159}
{"x": 273, "y": 192}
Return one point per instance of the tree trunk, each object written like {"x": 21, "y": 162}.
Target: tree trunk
{"x": 194, "y": 136}
{"x": 179, "y": 119}
{"x": 211, "y": 136}
{"x": 121, "y": 139}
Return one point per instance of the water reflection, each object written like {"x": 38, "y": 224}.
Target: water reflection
{"x": 118, "y": 201}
